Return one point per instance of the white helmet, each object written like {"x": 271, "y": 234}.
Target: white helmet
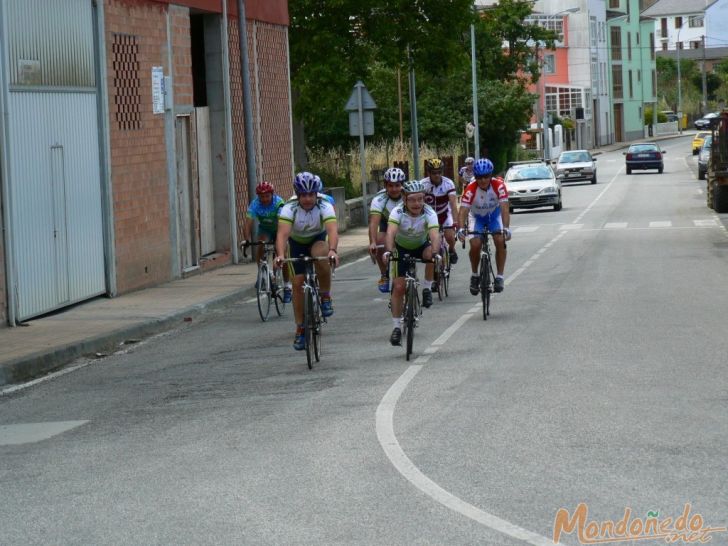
{"x": 394, "y": 174}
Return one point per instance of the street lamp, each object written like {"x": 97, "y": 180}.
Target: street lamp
{"x": 679, "y": 81}
{"x": 545, "y": 123}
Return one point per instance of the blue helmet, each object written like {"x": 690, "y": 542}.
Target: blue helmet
{"x": 305, "y": 182}
{"x": 483, "y": 167}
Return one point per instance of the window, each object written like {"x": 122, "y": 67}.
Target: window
{"x": 631, "y": 91}
{"x": 664, "y": 46}
{"x": 696, "y": 21}
{"x": 679, "y": 45}
{"x": 637, "y": 37}
{"x": 617, "y": 91}
{"x": 654, "y": 83}
{"x": 663, "y": 28}
{"x": 678, "y": 22}
{"x": 551, "y": 23}
{"x": 616, "y": 35}
{"x": 629, "y": 46}
{"x": 613, "y": 4}
{"x": 593, "y": 31}
{"x": 696, "y": 44}
{"x": 639, "y": 76}
{"x": 549, "y": 64}
{"x": 652, "y": 46}
{"x": 563, "y": 100}
{"x": 127, "y": 84}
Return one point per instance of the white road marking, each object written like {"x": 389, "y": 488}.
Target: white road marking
{"x": 705, "y": 223}
{"x": 405, "y": 466}
{"x": 525, "y": 229}
{"x": 424, "y": 359}
{"x": 661, "y": 224}
{"x": 352, "y": 263}
{"x": 28, "y": 433}
{"x": 597, "y": 198}
{"x": 615, "y": 225}
{"x": 699, "y": 191}
{"x": 569, "y": 227}
{"x": 20, "y": 387}
{"x": 452, "y": 329}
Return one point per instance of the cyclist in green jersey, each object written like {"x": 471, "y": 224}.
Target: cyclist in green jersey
{"x": 413, "y": 229}
{"x": 382, "y": 205}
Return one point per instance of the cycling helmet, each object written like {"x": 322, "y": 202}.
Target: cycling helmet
{"x": 469, "y": 160}
{"x": 413, "y": 186}
{"x": 483, "y": 167}
{"x": 264, "y": 187}
{"x": 394, "y": 174}
{"x": 434, "y": 164}
{"x": 305, "y": 182}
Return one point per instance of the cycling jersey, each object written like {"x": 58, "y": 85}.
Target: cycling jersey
{"x": 438, "y": 197}
{"x": 382, "y": 206}
{"x": 306, "y": 225}
{"x": 267, "y": 216}
{"x": 325, "y": 196}
{"x": 484, "y": 202}
{"x": 466, "y": 174}
{"x": 413, "y": 230}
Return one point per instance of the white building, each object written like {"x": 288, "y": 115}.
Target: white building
{"x": 684, "y": 23}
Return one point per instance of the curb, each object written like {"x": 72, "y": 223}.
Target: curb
{"x": 40, "y": 363}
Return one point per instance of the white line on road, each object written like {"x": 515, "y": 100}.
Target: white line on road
{"x": 661, "y": 224}
{"x": 615, "y": 225}
{"x": 352, "y": 263}
{"x": 597, "y": 198}
{"x": 403, "y": 464}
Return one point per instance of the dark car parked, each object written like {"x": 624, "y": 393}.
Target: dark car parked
{"x": 704, "y": 122}
{"x": 644, "y": 155}
{"x": 704, "y": 157}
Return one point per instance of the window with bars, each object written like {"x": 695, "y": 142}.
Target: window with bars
{"x": 125, "y": 64}
{"x": 616, "y": 36}
{"x": 617, "y": 87}
{"x": 563, "y": 100}
{"x": 695, "y": 21}
{"x": 549, "y": 22}
{"x": 549, "y": 64}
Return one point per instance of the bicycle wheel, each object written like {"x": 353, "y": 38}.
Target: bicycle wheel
{"x": 318, "y": 323}
{"x": 278, "y": 294}
{"x": 485, "y": 284}
{"x": 446, "y": 273}
{"x": 440, "y": 279}
{"x": 409, "y": 317}
{"x": 309, "y": 326}
{"x": 263, "y": 291}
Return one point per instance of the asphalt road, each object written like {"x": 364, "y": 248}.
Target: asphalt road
{"x": 600, "y": 378}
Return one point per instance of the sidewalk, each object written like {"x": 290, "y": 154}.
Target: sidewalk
{"x": 101, "y": 325}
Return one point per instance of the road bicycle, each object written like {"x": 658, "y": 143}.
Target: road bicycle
{"x": 486, "y": 275}
{"x": 269, "y": 281}
{"x": 441, "y": 283}
{"x": 313, "y": 320}
{"x": 412, "y": 309}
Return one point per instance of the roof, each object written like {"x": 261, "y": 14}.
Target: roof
{"x": 677, "y": 7}
{"x": 711, "y": 53}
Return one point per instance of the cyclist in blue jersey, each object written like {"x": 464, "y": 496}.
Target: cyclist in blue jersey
{"x": 307, "y": 225}
{"x": 265, "y": 209}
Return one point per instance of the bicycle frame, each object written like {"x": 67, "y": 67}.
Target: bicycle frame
{"x": 269, "y": 281}
{"x": 485, "y": 272}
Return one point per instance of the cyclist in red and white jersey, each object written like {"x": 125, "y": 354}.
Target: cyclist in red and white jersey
{"x": 484, "y": 206}
{"x": 441, "y": 195}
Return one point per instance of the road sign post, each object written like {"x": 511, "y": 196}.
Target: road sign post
{"x": 361, "y": 108}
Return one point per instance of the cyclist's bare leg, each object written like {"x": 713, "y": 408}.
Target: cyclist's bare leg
{"x": 450, "y": 238}
{"x": 298, "y": 298}
{"x": 259, "y": 250}
{"x": 500, "y": 252}
{"x": 398, "y": 287}
{"x": 323, "y": 269}
{"x": 429, "y": 268}
{"x": 475, "y": 246}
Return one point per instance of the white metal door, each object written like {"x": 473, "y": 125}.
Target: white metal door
{"x": 204, "y": 169}
{"x": 54, "y": 163}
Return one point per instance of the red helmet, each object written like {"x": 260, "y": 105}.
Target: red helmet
{"x": 264, "y": 187}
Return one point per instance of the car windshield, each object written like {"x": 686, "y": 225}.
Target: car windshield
{"x": 637, "y": 148}
{"x": 708, "y": 142}
{"x": 710, "y": 116}
{"x": 574, "y": 157}
{"x": 538, "y": 172}
{"x": 702, "y": 135}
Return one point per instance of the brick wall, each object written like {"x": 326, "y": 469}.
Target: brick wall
{"x": 138, "y": 149}
{"x": 271, "y": 110}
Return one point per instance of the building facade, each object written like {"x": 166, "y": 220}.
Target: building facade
{"x": 123, "y": 156}
{"x": 689, "y": 24}
{"x": 632, "y": 76}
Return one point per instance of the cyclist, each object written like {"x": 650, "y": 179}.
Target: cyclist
{"x": 485, "y": 208}
{"x": 265, "y": 208}
{"x": 441, "y": 195}
{"x": 465, "y": 174}
{"x": 308, "y": 226}
{"x": 382, "y": 205}
{"x": 412, "y": 229}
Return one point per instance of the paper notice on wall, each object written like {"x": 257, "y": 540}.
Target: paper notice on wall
{"x": 157, "y": 90}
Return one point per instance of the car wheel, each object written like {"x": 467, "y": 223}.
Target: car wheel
{"x": 629, "y": 171}
{"x": 594, "y": 179}
{"x": 511, "y": 209}
{"x": 695, "y": 152}
{"x": 659, "y": 170}
{"x": 701, "y": 175}
{"x": 558, "y": 206}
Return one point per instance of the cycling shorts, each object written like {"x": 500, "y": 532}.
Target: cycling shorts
{"x": 400, "y": 251}
{"x": 491, "y": 222}
{"x": 296, "y": 250}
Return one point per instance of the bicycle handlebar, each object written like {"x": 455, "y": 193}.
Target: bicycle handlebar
{"x": 245, "y": 244}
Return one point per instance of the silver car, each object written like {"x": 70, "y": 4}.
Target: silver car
{"x": 704, "y": 157}
{"x": 533, "y": 185}
{"x": 576, "y": 165}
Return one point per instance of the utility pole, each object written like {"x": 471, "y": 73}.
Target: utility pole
{"x": 705, "y": 82}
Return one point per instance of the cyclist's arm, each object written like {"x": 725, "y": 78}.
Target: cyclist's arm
{"x": 505, "y": 213}
{"x": 392, "y": 230}
{"x": 435, "y": 239}
{"x": 248, "y": 228}
{"x": 463, "y": 215}
{"x": 453, "y": 205}
{"x": 284, "y": 232}
{"x": 374, "y": 219}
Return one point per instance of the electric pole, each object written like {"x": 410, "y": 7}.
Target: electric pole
{"x": 705, "y": 83}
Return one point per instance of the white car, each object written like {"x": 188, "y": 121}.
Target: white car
{"x": 532, "y": 184}
{"x": 576, "y": 165}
